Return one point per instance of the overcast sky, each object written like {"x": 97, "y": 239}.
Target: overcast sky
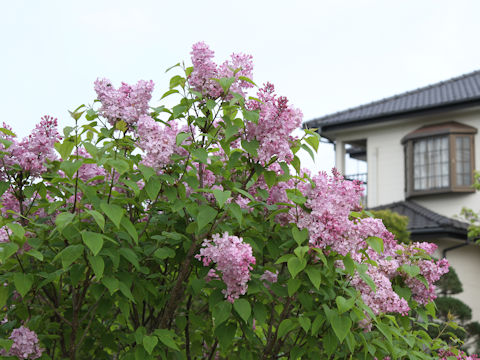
{"x": 325, "y": 56}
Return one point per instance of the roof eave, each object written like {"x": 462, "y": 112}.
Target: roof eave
{"x": 327, "y": 128}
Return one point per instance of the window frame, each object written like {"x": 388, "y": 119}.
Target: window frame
{"x": 452, "y": 130}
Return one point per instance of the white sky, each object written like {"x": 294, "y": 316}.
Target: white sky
{"x": 324, "y": 55}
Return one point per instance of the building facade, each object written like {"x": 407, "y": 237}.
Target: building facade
{"x": 421, "y": 149}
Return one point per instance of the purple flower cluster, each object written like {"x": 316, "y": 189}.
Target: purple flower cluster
{"x": 448, "y": 354}
{"x": 33, "y": 151}
{"x": 158, "y": 142}
{"x": 205, "y": 70}
{"x": 127, "y": 103}
{"x": 233, "y": 259}
{"x": 275, "y": 125}
{"x": 25, "y": 344}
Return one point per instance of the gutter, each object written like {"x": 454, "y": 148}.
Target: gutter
{"x": 444, "y": 252}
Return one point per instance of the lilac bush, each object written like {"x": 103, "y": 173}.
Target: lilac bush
{"x": 150, "y": 232}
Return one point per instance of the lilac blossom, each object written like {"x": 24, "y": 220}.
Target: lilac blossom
{"x": 25, "y": 344}
{"x": 277, "y": 120}
{"x": 233, "y": 259}
{"x": 127, "y": 103}
{"x": 158, "y": 142}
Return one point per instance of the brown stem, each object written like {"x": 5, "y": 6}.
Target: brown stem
{"x": 178, "y": 288}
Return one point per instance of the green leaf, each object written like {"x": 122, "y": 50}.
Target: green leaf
{"x": 6, "y": 344}
{"x": 97, "y": 264}
{"x": 206, "y": 214}
{"x": 236, "y": 211}
{"x": 295, "y": 265}
{"x": 299, "y": 236}
{"x": 93, "y": 241}
{"x": 130, "y": 255}
{"x": 23, "y": 283}
{"x": 305, "y": 323}
{"x": 243, "y": 308}
{"x": 35, "y": 253}
{"x": 315, "y": 276}
{"x": 70, "y": 168}
{"x": 127, "y": 225}
{"x": 221, "y": 312}
{"x": 153, "y": 187}
{"x": 181, "y": 138}
{"x": 375, "y": 243}
{"x": 114, "y": 213}
{"x": 293, "y": 285}
{"x": 296, "y": 196}
{"x": 167, "y": 338}
{"x": 4, "y": 185}
{"x": 7, "y": 250}
{"x": 169, "y": 92}
{"x": 252, "y": 116}
{"x": 330, "y": 343}
{"x": 111, "y": 284}
{"x": 225, "y": 334}
{"x": 344, "y": 304}
{"x": 4, "y": 293}
{"x": 125, "y": 290}
{"x": 178, "y": 110}
{"x": 221, "y": 196}
{"x": 270, "y": 177}
{"x": 341, "y": 326}
{"x": 70, "y": 254}
{"x": 201, "y": 155}
{"x": 63, "y": 219}
{"x": 149, "y": 343}
{"x": 17, "y": 229}
{"x": 164, "y": 253}
{"x": 284, "y": 327}
{"x": 251, "y": 147}
{"x": 225, "y": 83}
{"x": 412, "y": 270}
{"x": 349, "y": 265}
{"x": 99, "y": 219}
{"x": 65, "y": 148}
{"x": 120, "y": 165}
{"x": 313, "y": 141}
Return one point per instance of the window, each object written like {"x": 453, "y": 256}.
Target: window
{"x": 439, "y": 159}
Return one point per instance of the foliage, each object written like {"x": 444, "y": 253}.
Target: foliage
{"x": 193, "y": 232}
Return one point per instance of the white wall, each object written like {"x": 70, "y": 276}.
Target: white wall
{"x": 385, "y": 160}
{"x": 466, "y": 261}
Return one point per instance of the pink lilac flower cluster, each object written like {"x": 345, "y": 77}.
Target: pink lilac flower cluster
{"x": 158, "y": 142}
{"x": 275, "y": 125}
{"x": 33, "y": 151}
{"x": 330, "y": 201}
{"x": 269, "y": 276}
{"x": 446, "y": 354}
{"x": 205, "y": 70}
{"x": 431, "y": 271}
{"x": 233, "y": 259}
{"x": 25, "y": 344}
{"x": 127, "y": 103}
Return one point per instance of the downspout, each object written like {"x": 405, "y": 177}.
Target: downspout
{"x": 444, "y": 252}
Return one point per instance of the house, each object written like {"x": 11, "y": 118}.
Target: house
{"x": 420, "y": 148}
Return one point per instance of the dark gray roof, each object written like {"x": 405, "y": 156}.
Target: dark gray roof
{"x": 463, "y": 90}
{"x": 424, "y": 222}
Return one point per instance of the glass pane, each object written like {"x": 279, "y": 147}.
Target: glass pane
{"x": 462, "y": 157}
{"x": 431, "y": 163}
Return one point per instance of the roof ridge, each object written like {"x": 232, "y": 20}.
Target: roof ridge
{"x": 399, "y": 95}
